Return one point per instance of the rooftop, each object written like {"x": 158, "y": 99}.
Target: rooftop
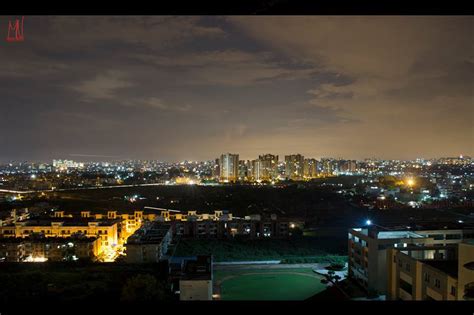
{"x": 398, "y": 234}
{"x": 449, "y": 267}
{"x": 66, "y": 221}
{"x": 198, "y": 268}
{"x": 387, "y": 234}
{"x": 410, "y": 230}
{"x": 150, "y": 233}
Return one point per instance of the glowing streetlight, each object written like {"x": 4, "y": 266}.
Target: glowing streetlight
{"x": 368, "y": 222}
{"x": 410, "y": 182}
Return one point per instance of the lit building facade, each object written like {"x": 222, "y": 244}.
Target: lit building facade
{"x": 63, "y": 165}
{"x": 40, "y": 249}
{"x": 310, "y": 168}
{"x": 294, "y": 165}
{"x": 349, "y": 166}
{"x": 411, "y": 278}
{"x": 222, "y": 224}
{"x": 328, "y": 166}
{"x": 265, "y": 168}
{"x": 229, "y": 167}
{"x": 245, "y": 170}
{"x": 368, "y": 247}
{"x": 105, "y": 230}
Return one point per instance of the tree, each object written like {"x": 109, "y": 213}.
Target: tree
{"x": 331, "y": 277}
{"x": 143, "y": 287}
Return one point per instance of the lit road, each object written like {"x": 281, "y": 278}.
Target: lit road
{"x": 81, "y": 188}
{"x": 93, "y": 188}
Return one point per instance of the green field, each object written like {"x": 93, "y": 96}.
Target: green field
{"x": 273, "y": 284}
{"x": 295, "y": 250}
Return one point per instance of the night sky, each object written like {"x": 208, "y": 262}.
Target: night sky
{"x": 175, "y": 88}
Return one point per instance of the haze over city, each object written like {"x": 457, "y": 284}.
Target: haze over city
{"x": 175, "y": 88}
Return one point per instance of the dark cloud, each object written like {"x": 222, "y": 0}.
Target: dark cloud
{"x": 193, "y": 87}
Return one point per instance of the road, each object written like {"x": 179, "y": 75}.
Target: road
{"x": 73, "y": 189}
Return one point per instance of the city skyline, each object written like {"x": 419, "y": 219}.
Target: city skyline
{"x": 280, "y": 160}
{"x": 190, "y": 88}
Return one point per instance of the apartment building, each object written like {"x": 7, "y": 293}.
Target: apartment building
{"x": 192, "y": 277}
{"x": 128, "y": 221}
{"x": 40, "y": 248}
{"x": 149, "y": 243}
{"x": 411, "y": 278}
{"x": 105, "y": 230}
{"x": 367, "y": 248}
{"x": 222, "y": 224}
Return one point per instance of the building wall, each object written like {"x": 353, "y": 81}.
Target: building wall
{"x": 310, "y": 169}
{"x": 403, "y": 272}
{"x": 265, "y": 167}
{"x": 438, "y": 285}
{"x": 370, "y": 267}
{"x": 427, "y": 282}
{"x": 294, "y": 166}
{"x": 224, "y": 229}
{"x": 466, "y": 275}
{"x": 195, "y": 290}
{"x": 137, "y": 252}
{"x": 107, "y": 234}
{"x": 229, "y": 167}
{"x": 52, "y": 250}
{"x": 143, "y": 253}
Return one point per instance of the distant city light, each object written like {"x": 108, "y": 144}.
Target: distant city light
{"x": 368, "y": 222}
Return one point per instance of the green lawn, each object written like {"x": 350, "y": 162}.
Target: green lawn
{"x": 278, "y": 284}
{"x": 295, "y": 250}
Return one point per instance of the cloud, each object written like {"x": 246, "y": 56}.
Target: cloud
{"x": 154, "y": 102}
{"x": 103, "y": 86}
{"x": 109, "y": 85}
{"x": 404, "y": 73}
{"x": 379, "y": 53}
{"x": 226, "y": 67}
{"x": 368, "y": 45}
{"x": 327, "y": 85}
{"x": 329, "y": 91}
{"x": 85, "y": 32}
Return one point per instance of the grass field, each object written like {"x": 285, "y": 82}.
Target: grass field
{"x": 296, "y": 250}
{"x": 274, "y": 284}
